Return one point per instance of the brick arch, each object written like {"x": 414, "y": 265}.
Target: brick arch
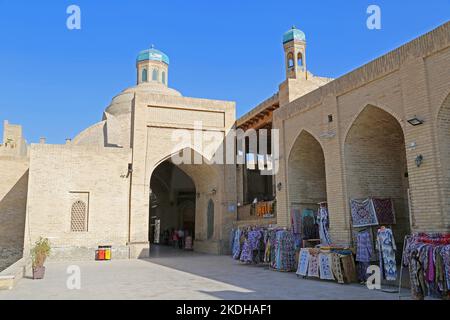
{"x": 205, "y": 178}
{"x": 306, "y": 179}
{"x": 378, "y": 106}
{"x": 302, "y": 131}
{"x": 375, "y": 163}
{"x": 443, "y": 134}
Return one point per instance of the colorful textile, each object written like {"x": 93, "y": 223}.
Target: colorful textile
{"x": 445, "y": 252}
{"x": 348, "y": 268}
{"x": 337, "y": 268}
{"x": 309, "y": 227}
{"x": 284, "y": 251}
{"x": 416, "y": 276}
{"x": 324, "y": 224}
{"x": 430, "y": 269}
{"x": 363, "y": 213}
{"x": 313, "y": 264}
{"x": 303, "y": 260}
{"x": 325, "y": 266}
{"x": 384, "y": 210}
{"x": 296, "y": 221}
{"x": 364, "y": 249}
{"x": 237, "y": 244}
{"x": 362, "y": 271}
{"x": 386, "y": 248}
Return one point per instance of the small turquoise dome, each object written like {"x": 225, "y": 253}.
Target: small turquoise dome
{"x": 154, "y": 55}
{"x": 294, "y": 34}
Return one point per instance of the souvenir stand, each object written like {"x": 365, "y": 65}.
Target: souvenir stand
{"x": 318, "y": 257}
{"x": 426, "y": 257}
{"x": 372, "y": 221}
{"x": 268, "y": 245}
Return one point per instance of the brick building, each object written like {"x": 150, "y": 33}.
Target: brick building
{"x": 382, "y": 130}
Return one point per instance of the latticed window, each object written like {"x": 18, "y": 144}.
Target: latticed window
{"x": 78, "y": 221}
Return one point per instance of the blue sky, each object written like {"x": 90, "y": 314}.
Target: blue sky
{"x": 56, "y": 82}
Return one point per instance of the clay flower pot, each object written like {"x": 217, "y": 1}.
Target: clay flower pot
{"x": 38, "y": 273}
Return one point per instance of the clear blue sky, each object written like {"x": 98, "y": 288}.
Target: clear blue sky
{"x": 56, "y": 82}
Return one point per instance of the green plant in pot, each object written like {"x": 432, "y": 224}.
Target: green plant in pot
{"x": 39, "y": 254}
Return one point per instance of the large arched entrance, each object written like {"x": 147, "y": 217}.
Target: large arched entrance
{"x": 375, "y": 164}
{"x": 443, "y": 124}
{"x": 306, "y": 175}
{"x": 172, "y": 204}
{"x": 184, "y": 197}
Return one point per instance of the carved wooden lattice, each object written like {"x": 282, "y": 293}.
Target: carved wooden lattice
{"x": 78, "y": 222}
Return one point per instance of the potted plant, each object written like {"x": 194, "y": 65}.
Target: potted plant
{"x": 39, "y": 254}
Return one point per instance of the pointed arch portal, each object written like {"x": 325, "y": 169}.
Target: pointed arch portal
{"x": 375, "y": 164}
{"x": 306, "y": 173}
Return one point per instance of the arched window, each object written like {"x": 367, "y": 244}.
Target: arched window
{"x": 210, "y": 219}
{"x": 163, "y": 77}
{"x": 290, "y": 59}
{"x": 144, "y": 75}
{"x": 300, "y": 59}
{"x": 78, "y": 217}
{"x": 155, "y": 75}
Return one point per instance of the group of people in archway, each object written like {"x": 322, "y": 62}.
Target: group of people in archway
{"x": 178, "y": 238}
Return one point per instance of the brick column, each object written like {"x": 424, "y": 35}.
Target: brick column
{"x": 426, "y": 203}
{"x": 140, "y": 187}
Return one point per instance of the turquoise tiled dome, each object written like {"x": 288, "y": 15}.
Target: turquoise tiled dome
{"x": 154, "y": 55}
{"x": 294, "y": 34}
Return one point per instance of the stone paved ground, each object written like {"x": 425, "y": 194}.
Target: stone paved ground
{"x": 173, "y": 274}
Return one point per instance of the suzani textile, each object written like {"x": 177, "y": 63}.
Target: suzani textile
{"x": 303, "y": 263}
{"x": 363, "y": 213}
{"x": 364, "y": 246}
{"x": 337, "y": 267}
{"x": 386, "y": 248}
{"x": 284, "y": 252}
{"x": 309, "y": 227}
{"x": 325, "y": 266}
{"x": 384, "y": 209}
{"x": 251, "y": 245}
{"x": 313, "y": 264}
{"x": 296, "y": 221}
{"x": 237, "y": 244}
{"x": 325, "y": 238}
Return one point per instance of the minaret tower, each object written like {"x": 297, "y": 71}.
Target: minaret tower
{"x": 294, "y": 43}
{"x": 152, "y": 65}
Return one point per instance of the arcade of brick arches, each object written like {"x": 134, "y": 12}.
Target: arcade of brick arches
{"x": 360, "y": 172}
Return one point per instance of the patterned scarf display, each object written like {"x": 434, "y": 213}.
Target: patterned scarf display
{"x": 325, "y": 238}
{"x": 386, "y": 248}
{"x": 337, "y": 267}
{"x": 303, "y": 263}
{"x": 284, "y": 249}
{"x": 310, "y": 229}
{"x": 364, "y": 246}
{"x": 313, "y": 264}
{"x": 251, "y": 245}
{"x": 363, "y": 213}
{"x": 296, "y": 221}
{"x": 427, "y": 257}
{"x": 384, "y": 209}
{"x": 325, "y": 266}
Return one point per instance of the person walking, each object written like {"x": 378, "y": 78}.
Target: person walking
{"x": 180, "y": 238}
{"x": 174, "y": 238}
